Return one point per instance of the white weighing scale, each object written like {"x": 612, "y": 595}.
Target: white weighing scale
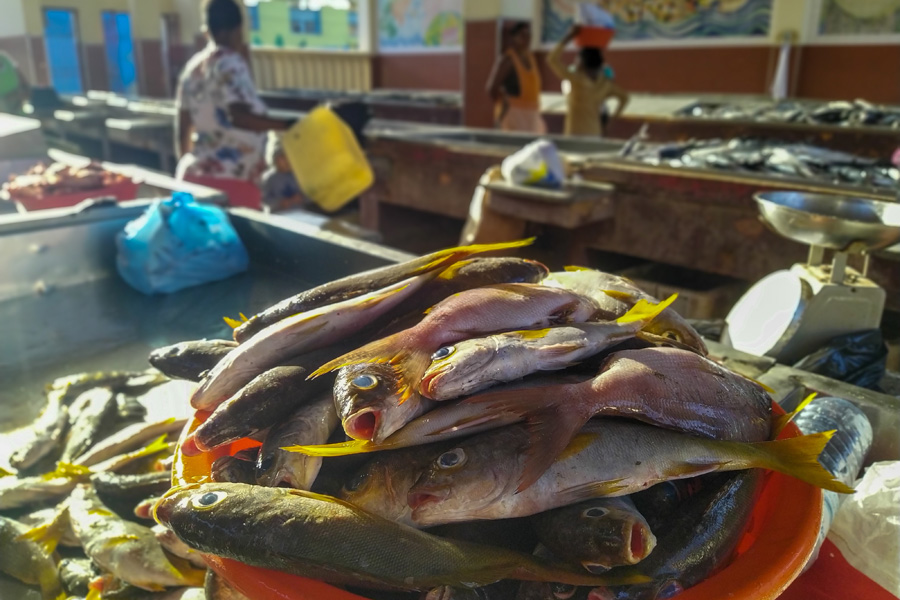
{"x": 791, "y": 313}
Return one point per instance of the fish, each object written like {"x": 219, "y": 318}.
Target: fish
{"x": 171, "y": 544}
{"x": 73, "y": 386}
{"x": 25, "y": 560}
{"x": 382, "y": 485}
{"x": 45, "y": 434}
{"x": 229, "y": 469}
{"x": 312, "y": 423}
{"x": 93, "y": 414}
{"x": 617, "y": 294}
{"x": 354, "y": 286}
{"x": 76, "y": 574}
{"x": 19, "y": 492}
{"x": 484, "y": 310}
{"x": 372, "y": 404}
{"x": 698, "y": 539}
{"x": 122, "y": 493}
{"x": 156, "y": 448}
{"x": 130, "y": 438}
{"x": 46, "y": 515}
{"x": 190, "y": 360}
{"x": 598, "y": 534}
{"x": 610, "y": 457}
{"x": 478, "y": 363}
{"x": 310, "y": 535}
{"x": 124, "y": 549}
{"x": 216, "y": 588}
{"x": 295, "y": 335}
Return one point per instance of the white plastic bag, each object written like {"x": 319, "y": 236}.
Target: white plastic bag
{"x": 536, "y": 164}
{"x": 592, "y": 15}
{"x": 867, "y": 527}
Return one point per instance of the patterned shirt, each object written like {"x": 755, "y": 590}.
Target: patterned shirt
{"x": 214, "y": 79}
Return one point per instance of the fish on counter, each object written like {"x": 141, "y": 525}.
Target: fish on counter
{"x": 122, "y": 493}
{"x": 45, "y": 515}
{"x": 190, "y": 360}
{"x": 45, "y": 433}
{"x": 155, "y": 450}
{"x": 76, "y": 575}
{"x": 93, "y": 414}
{"x": 19, "y": 492}
{"x": 312, "y": 535}
{"x": 478, "y": 479}
{"x": 472, "y": 365}
{"x": 128, "y": 439}
{"x": 598, "y": 534}
{"x": 25, "y": 560}
{"x": 354, "y": 286}
{"x": 312, "y": 423}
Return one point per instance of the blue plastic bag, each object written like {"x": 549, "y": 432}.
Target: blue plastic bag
{"x": 179, "y": 243}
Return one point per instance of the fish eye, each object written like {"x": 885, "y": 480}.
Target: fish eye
{"x": 207, "y": 500}
{"x": 443, "y": 352}
{"x": 356, "y": 481}
{"x": 452, "y": 458}
{"x": 364, "y": 382}
{"x": 562, "y": 591}
{"x": 672, "y": 335}
{"x": 265, "y": 463}
{"x": 595, "y": 512}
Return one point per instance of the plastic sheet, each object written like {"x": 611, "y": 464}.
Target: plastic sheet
{"x": 856, "y": 358}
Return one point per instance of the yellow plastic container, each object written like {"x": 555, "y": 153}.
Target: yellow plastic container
{"x": 327, "y": 160}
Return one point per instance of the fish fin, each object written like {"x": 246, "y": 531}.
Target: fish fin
{"x": 587, "y": 491}
{"x": 93, "y": 594}
{"x": 67, "y": 471}
{"x": 5, "y": 473}
{"x": 575, "y": 268}
{"x": 47, "y": 536}
{"x": 765, "y": 388}
{"x": 798, "y": 457}
{"x": 444, "y": 258}
{"x": 556, "y": 350}
{"x": 619, "y": 295}
{"x": 781, "y": 421}
{"x": 659, "y": 340}
{"x": 338, "y": 449}
{"x": 233, "y": 323}
{"x": 644, "y": 311}
{"x": 532, "y": 334}
{"x": 450, "y": 272}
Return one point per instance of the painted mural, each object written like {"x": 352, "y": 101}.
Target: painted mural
{"x": 420, "y": 24}
{"x": 859, "y": 17}
{"x": 667, "y": 19}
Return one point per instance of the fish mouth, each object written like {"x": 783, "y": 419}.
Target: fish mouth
{"x": 420, "y": 498}
{"x": 362, "y": 425}
{"x": 641, "y": 542}
{"x": 162, "y": 510}
{"x": 430, "y": 379}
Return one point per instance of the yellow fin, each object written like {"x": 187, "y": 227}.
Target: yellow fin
{"x": 448, "y": 256}
{"x": 619, "y": 295}
{"x": 118, "y": 540}
{"x": 532, "y": 334}
{"x": 67, "y": 471}
{"x": 575, "y": 268}
{"x": 798, "y": 457}
{"x": 339, "y": 449}
{"x": 766, "y": 388}
{"x": 93, "y": 595}
{"x": 451, "y": 271}
{"x": 100, "y": 511}
{"x": 780, "y": 422}
{"x": 47, "y": 536}
{"x": 233, "y": 323}
{"x": 5, "y": 473}
{"x": 591, "y": 490}
{"x": 578, "y": 443}
{"x": 645, "y": 311}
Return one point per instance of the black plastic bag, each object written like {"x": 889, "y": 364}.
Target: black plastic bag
{"x": 857, "y": 358}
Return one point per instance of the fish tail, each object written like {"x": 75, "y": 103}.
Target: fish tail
{"x": 798, "y": 457}
{"x": 644, "y": 311}
{"x": 235, "y": 323}
{"x": 444, "y": 258}
{"x": 781, "y": 421}
{"x": 68, "y": 471}
{"x": 339, "y": 449}
{"x": 47, "y": 536}
{"x": 551, "y": 422}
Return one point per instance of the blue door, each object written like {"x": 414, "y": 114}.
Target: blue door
{"x": 119, "y": 53}
{"x": 62, "y": 51}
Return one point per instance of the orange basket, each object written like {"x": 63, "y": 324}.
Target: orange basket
{"x": 778, "y": 542}
{"x": 595, "y": 37}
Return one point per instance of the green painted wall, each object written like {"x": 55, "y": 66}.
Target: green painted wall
{"x": 275, "y": 29}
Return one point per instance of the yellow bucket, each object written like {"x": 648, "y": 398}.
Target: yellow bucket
{"x": 327, "y": 160}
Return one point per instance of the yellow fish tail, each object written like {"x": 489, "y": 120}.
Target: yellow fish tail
{"x": 47, "y": 536}
{"x": 447, "y": 257}
{"x": 798, "y": 457}
{"x": 780, "y": 422}
{"x": 645, "y": 311}
{"x": 339, "y": 449}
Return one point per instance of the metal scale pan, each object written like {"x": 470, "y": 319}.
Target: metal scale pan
{"x": 790, "y": 313}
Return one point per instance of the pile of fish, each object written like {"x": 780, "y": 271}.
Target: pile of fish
{"x": 75, "y": 518}
{"x": 768, "y": 157}
{"x": 850, "y": 114}
{"x": 513, "y": 433}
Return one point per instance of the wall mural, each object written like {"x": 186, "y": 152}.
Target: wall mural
{"x": 855, "y": 17}
{"x": 420, "y": 24}
{"x": 667, "y": 19}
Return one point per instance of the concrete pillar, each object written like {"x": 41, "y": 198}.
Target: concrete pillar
{"x": 480, "y": 50}
{"x": 367, "y": 17}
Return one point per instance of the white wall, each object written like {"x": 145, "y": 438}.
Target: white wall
{"x": 12, "y": 22}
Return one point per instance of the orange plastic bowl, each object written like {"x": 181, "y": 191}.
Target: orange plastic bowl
{"x": 777, "y": 544}
{"x": 595, "y": 37}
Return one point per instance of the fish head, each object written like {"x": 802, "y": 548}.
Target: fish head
{"x": 453, "y": 366}
{"x": 467, "y": 478}
{"x": 479, "y": 272}
{"x": 372, "y": 489}
{"x": 608, "y": 532}
{"x": 203, "y": 511}
{"x": 671, "y": 326}
{"x": 371, "y": 401}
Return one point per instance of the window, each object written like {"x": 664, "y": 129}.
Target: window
{"x": 304, "y": 20}
{"x": 253, "y": 11}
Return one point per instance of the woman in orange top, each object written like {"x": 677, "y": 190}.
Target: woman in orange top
{"x": 515, "y": 85}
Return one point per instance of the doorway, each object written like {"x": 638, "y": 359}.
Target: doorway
{"x": 63, "y": 57}
{"x": 119, "y": 49}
